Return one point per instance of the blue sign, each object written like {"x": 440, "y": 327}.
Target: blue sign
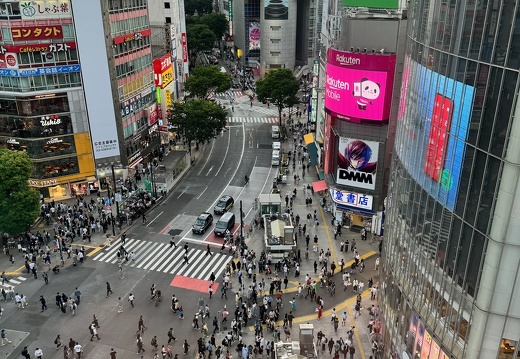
{"x": 52, "y": 70}
{"x": 424, "y": 88}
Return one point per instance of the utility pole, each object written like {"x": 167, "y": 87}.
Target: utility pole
{"x": 241, "y": 225}
{"x": 111, "y": 215}
{"x": 115, "y": 195}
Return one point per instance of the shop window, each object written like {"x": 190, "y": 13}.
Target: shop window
{"x": 507, "y": 349}
{"x": 56, "y": 168}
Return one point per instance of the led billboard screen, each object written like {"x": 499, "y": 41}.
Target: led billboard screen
{"x": 357, "y": 163}
{"x": 379, "y": 4}
{"x": 435, "y": 116}
{"x": 359, "y": 86}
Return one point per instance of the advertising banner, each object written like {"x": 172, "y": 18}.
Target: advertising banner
{"x": 351, "y": 199}
{"x": 378, "y": 4}
{"x": 254, "y": 35}
{"x": 163, "y": 71}
{"x": 184, "y": 48}
{"x": 357, "y": 163}
{"x": 435, "y": 114}
{"x": 38, "y": 47}
{"x": 8, "y": 60}
{"x": 45, "y": 9}
{"x": 43, "y": 32}
{"x": 359, "y": 86}
{"x": 133, "y": 36}
{"x": 276, "y": 9}
{"x": 40, "y": 71}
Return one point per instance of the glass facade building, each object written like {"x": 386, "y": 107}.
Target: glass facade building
{"x": 450, "y": 286}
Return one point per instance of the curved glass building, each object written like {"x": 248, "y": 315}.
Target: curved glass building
{"x": 450, "y": 284}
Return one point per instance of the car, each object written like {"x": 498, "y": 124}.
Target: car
{"x": 236, "y": 83}
{"x": 224, "y": 204}
{"x": 203, "y": 221}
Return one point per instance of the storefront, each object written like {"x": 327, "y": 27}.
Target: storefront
{"x": 352, "y": 208}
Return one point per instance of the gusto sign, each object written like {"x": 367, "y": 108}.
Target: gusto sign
{"x": 359, "y": 86}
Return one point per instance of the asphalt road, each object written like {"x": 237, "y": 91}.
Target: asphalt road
{"x": 244, "y": 148}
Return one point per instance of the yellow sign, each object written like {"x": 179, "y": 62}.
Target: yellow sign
{"x": 167, "y": 77}
{"x": 168, "y": 98}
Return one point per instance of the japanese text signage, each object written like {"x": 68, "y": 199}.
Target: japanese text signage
{"x": 132, "y": 36}
{"x": 51, "y": 70}
{"x": 45, "y": 9}
{"x": 131, "y": 105}
{"x": 351, "y": 199}
{"x": 38, "y": 47}
{"x": 184, "y": 47}
{"x": 44, "y": 32}
{"x": 163, "y": 71}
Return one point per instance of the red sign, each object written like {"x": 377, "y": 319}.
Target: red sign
{"x": 38, "y": 47}
{"x": 37, "y": 33}
{"x": 437, "y": 141}
{"x": 163, "y": 129}
{"x": 162, "y": 64}
{"x": 133, "y": 36}
{"x": 153, "y": 115}
{"x": 184, "y": 48}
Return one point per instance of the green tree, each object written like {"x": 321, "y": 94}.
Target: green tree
{"x": 200, "y": 38}
{"x": 192, "y": 7}
{"x": 198, "y": 120}
{"x": 217, "y": 23}
{"x": 279, "y": 87}
{"x": 19, "y": 203}
{"x": 204, "y": 80}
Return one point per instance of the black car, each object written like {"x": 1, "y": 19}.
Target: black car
{"x": 224, "y": 204}
{"x": 235, "y": 83}
{"x": 203, "y": 221}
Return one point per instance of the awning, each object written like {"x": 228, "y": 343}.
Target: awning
{"x": 319, "y": 186}
{"x": 308, "y": 138}
{"x": 135, "y": 163}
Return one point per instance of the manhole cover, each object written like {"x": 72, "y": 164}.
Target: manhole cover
{"x": 174, "y": 232}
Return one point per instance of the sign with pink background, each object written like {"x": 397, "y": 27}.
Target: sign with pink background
{"x": 359, "y": 86}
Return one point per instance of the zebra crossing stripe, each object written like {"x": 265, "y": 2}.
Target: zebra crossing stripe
{"x": 162, "y": 268}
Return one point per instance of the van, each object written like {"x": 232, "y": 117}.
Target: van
{"x": 275, "y": 158}
{"x": 227, "y": 221}
{"x": 277, "y": 146}
{"x": 275, "y": 132}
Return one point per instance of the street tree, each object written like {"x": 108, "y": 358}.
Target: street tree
{"x": 199, "y": 7}
{"x": 200, "y": 38}
{"x": 204, "y": 80}
{"x": 279, "y": 87}
{"x": 217, "y": 23}
{"x": 198, "y": 120}
{"x": 19, "y": 203}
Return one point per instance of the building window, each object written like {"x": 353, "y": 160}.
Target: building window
{"x": 275, "y": 41}
{"x": 273, "y": 53}
{"x": 166, "y": 4}
{"x": 168, "y": 20}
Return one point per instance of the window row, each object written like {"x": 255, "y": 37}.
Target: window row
{"x": 25, "y": 58}
{"x": 35, "y": 127}
{"x": 120, "y": 5}
{"x": 129, "y": 25}
{"x": 133, "y": 66}
{"x": 33, "y": 106}
{"x": 136, "y": 86}
{"x": 42, "y": 82}
{"x": 41, "y": 148}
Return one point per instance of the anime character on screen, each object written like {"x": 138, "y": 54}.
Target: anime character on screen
{"x": 357, "y": 156}
{"x": 365, "y": 92}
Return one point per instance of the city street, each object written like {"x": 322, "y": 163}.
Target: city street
{"x": 243, "y": 148}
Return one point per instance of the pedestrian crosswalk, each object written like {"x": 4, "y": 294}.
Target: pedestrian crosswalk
{"x": 14, "y": 281}
{"x": 273, "y": 120}
{"x": 229, "y": 94}
{"x": 161, "y": 257}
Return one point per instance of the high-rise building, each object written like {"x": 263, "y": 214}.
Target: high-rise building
{"x": 449, "y": 280}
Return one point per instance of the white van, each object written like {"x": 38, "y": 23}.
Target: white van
{"x": 275, "y": 132}
{"x": 275, "y": 158}
{"x": 277, "y": 146}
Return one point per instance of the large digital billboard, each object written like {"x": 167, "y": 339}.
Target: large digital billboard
{"x": 359, "y": 86}
{"x": 357, "y": 163}
{"x": 435, "y": 117}
{"x": 379, "y": 4}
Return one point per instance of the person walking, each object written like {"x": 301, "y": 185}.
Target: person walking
{"x": 78, "y": 349}
{"x": 208, "y": 250}
{"x": 93, "y": 332}
{"x": 186, "y": 346}
{"x": 121, "y": 276}
{"x": 109, "y": 289}
{"x": 210, "y": 291}
{"x": 120, "y": 305}
{"x": 25, "y": 353}
{"x": 4, "y": 337}
{"x": 170, "y": 336}
{"x": 140, "y": 325}
{"x": 154, "y": 343}
{"x": 131, "y": 299}
{"x": 43, "y": 302}
{"x": 113, "y": 353}
{"x": 57, "y": 341}
{"x": 38, "y": 353}
{"x": 77, "y": 295}
{"x": 139, "y": 342}
{"x": 58, "y": 300}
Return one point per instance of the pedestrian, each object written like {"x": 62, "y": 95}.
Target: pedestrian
{"x": 210, "y": 291}
{"x": 172, "y": 242}
{"x": 113, "y": 353}
{"x": 45, "y": 277}
{"x": 78, "y": 349}
{"x": 120, "y": 305}
{"x": 140, "y": 325}
{"x": 352, "y": 350}
{"x": 131, "y": 299}
{"x": 154, "y": 343}
{"x": 43, "y": 302}
{"x": 4, "y": 337}
{"x": 93, "y": 332}
{"x": 293, "y": 304}
{"x": 186, "y": 346}
{"x": 57, "y": 341}
{"x": 25, "y": 353}
{"x": 95, "y": 321}
{"x": 109, "y": 289}
{"x": 121, "y": 276}
{"x": 170, "y": 336}
{"x": 66, "y": 352}
{"x": 139, "y": 342}
{"x": 186, "y": 259}
{"x": 38, "y": 353}
{"x": 320, "y": 311}
{"x": 77, "y": 294}
{"x": 208, "y": 250}
{"x": 4, "y": 278}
